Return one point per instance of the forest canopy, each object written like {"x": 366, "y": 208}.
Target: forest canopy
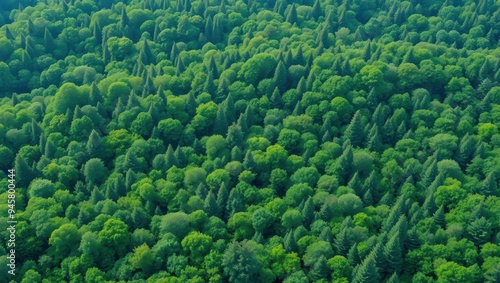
{"x": 250, "y": 140}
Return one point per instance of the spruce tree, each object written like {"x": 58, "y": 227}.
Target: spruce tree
{"x": 220, "y": 125}
{"x": 367, "y": 272}
{"x": 210, "y": 204}
{"x": 393, "y": 255}
{"x": 95, "y": 146}
{"x": 308, "y": 212}
{"x": 479, "y": 231}
{"x": 326, "y": 235}
{"x": 353, "y": 255}
{"x": 439, "y": 218}
{"x": 170, "y": 159}
{"x": 280, "y": 77}
{"x": 342, "y": 242}
{"x": 276, "y": 100}
{"x": 319, "y": 270}
{"x": 354, "y": 131}
{"x": 489, "y": 186}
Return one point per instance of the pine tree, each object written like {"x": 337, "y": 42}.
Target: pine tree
{"x": 316, "y": 11}
{"x": 48, "y": 40}
{"x": 367, "y": 272}
{"x": 393, "y": 279}
{"x": 393, "y": 254}
{"x": 96, "y": 196}
{"x": 367, "y": 52}
{"x": 289, "y": 242}
{"x": 212, "y": 67}
{"x": 374, "y": 143}
{"x": 493, "y": 274}
{"x": 170, "y": 159}
{"x": 249, "y": 163}
{"x": 355, "y": 184}
{"x": 220, "y": 125}
{"x": 489, "y": 186}
{"x": 24, "y": 173}
{"x": 9, "y": 34}
{"x": 131, "y": 162}
{"x": 308, "y": 212}
{"x": 210, "y": 204}
{"x": 479, "y": 231}
{"x": 319, "y": 270}
{"x": 342, "y": 242}
{"x": 276, "y": 100}
{"x": 222, "y": 198}
{"x": 439, "y": 218}
{"x": 291, "y": 17}
{"x": 478, "y": 212}
{"x": 280, "y": 77}
{"x": 354, "y": 131}
{"x": 353, "y": 255}
{"x": 326, "y": 235}
{"x": 413, "y": 240}
{"x": 95, "y": 145}
{"x": 180, "y": 157}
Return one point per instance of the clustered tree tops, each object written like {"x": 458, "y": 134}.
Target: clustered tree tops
{"x": 251, "y": 141}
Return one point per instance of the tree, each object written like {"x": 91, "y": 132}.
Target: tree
{"x": 240, "y": 263}
{"x": 197, "y": 245}
{"x": 394, "y": 254}
{"x": 479, "y": 231}
{"x": 257, "y": 68}
{"x": 366, "y": 272}
{"x": 41, "y": 188}
{"x": 143, "y": 258}
{"x": 94, "y": 171}
{"x": 65, "y": 239}
{"x": 69, "y": 96}
{"x": 115, "y": 235}
{"x": 453, "y": 272}
{"x": 176, "y": 223}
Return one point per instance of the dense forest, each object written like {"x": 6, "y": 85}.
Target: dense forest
{"x": 250, "y": 140}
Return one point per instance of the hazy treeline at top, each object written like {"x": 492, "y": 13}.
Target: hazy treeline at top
{"x": 251, "y": 141}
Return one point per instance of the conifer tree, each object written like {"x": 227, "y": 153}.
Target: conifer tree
{"x": 131, "y": 162}
{"x": 210, "y": 204}
{"x": 355, "y": 184}
{"x": 439, "y": 218}
{"x": 308, "y": 212}
{"x": 316, "y": 11}
{"x": 479, "y": 231}
{"x": 222, "y": 200}
{"x": 393, "y": 279}
{"x": 393, "y": 254}
{"x": 342, "y": 242}
{"x": 96, "y": 196}
{"x": 95, "y": 146}
{"x": 276, "y": 100}
{"x": 280, "y": 77}
{"x": 291, "y": 16}
{"x": 489, "y": 186}
{"x": 367, "y": 272}
{"x": 170, "y": 159}
{"x": 289, "y": 242}
{"x": 319, "y": 270}
{"x": 248, "y": 162}
{"x": 326, "y": 235}
{"x": 353, "y": 255}
{"x": 354, "y": 131}
{"x": 220, "y": 125}
{"x": 374, "y": 143}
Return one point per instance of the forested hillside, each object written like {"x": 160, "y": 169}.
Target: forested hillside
{"x": 250, "y": 141}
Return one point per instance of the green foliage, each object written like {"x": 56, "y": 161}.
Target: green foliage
{"x": 333, "y": 141}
